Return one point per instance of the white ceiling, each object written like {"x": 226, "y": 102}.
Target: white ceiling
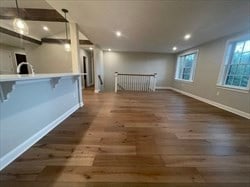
{"x": 156, "y": 26}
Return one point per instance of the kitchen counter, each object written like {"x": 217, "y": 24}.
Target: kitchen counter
{"x": 31, "y": 106}
{"x": 16, "y": 77}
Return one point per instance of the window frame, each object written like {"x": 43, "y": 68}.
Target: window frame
{"x": 192, "y": 72}
{"x": 228, "y": 54}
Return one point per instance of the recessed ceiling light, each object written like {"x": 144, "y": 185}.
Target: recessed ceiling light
{"x": 109, "y": 49}
{"x": 118, "y": 33}
{"x": 174, "y": 48}
{"x": 187, "y": 36}
{"x": 90, "y": 48}
{"x": 45, "y": 28}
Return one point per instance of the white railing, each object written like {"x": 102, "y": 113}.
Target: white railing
{"x": 135, "y": 82}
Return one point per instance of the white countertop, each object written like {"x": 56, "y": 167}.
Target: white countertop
{"x": 17, "y": 77}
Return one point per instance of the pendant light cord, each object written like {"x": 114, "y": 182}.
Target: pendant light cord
{"x": 18, "y": 14}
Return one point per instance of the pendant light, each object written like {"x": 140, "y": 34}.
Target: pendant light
{"x": 19, "y": 25}
{"x": 67, "y": 43}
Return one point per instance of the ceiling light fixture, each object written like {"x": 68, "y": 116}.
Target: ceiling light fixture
{"x": 19, "y": 25}
{"x": 174, "y": 48}
{"x": 187, "y": 36}
{"x": 67, "y": 43}
{"x": 118, "y": 33}
{"x": 109, "y": 49}
{"x": 91, "y": 48}
{"x": 45, "y": 28}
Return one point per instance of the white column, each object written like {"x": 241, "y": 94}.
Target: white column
{"x": 75, "y": 52}
{"x": 116, "y": 81}
{"x": 75, "y": 55}
{"x": 154, "y": 85}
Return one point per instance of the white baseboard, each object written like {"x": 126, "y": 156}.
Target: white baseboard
{"x": 13, "y": 154}
{"x": 218, "y": 105}
{"x": 163, "y": 88}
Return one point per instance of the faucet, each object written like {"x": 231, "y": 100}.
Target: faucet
{"x": 25, "y": 63}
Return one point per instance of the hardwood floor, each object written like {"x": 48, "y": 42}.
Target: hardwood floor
{"x": 157, "y": 139}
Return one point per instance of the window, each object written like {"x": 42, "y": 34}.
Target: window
{"x": 186, "y": 65}
{"x": 236, "y": 69}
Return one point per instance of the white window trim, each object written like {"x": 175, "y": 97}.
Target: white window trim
{"x": 192, "y": 74}
{"x": 224, "y": 71}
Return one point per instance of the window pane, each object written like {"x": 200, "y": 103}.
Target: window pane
{"x": 229, "y": 80}
{"x": 239, "y": 47}
{"x": 244, "y": 81}
{"x": 186, "y": 70}
{"x": 236, "y": 58}
{"x": 236, "y": 80}
{"x": 245, "y": 58}
{"x": 232, "y": 69}
{"x": 186, "y": 76}
{"x": 240, "y": 69}
{"x": 247, "y": 70}
{"x": 247, "y": 46}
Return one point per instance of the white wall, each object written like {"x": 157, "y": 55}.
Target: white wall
{"x": 49, "y": 58}
{"x": 99, "y": 69}
{"x": 210, "y": 59}
{"x": 134, "y": 62}
{"x": 11, "y": 62}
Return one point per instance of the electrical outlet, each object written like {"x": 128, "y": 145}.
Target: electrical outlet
{"x": 218, "y": 93}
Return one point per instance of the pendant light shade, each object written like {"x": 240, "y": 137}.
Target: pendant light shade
{"x": 19, "y": 25}
{"x": 67, "y": 46}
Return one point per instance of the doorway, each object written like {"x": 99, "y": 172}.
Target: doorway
{"x": 85, "y": 72}
{"x": 19, "y": 59}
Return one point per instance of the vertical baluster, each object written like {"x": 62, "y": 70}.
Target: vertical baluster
{"x": 121, "y": 81}
{"x": 130, "y": 83}
{"x": 133, "y": 83}
{"x": 137, "y": 81}
{"x": 140, "y": 78}
{"x": 144, "y": 88}
{"x": 125, "y": 82}
{"x": 149, "y": 77}
{"x": 134, "y": 87}
{"x": 144, "y": 81}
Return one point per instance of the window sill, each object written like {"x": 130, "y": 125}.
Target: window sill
{"x": 231, "y": 88}
{"x": 185, "y": 81}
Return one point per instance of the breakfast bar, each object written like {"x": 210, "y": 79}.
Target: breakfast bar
{"x": 31, "y": 106}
